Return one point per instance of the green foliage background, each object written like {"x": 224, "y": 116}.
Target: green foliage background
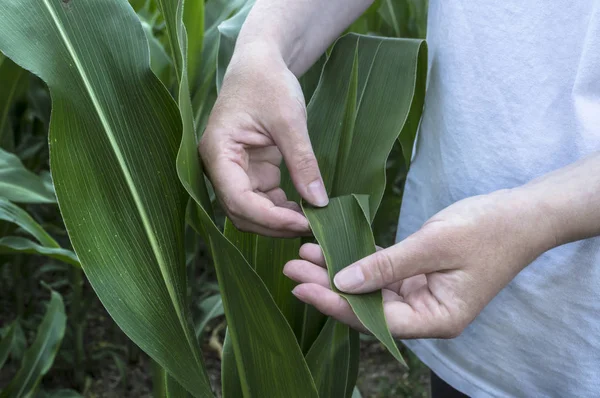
{"x": 47, "y": 351}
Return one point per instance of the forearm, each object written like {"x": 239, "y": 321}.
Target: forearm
{"x": 299, "y": 30}
{"x": 569, "y": 198}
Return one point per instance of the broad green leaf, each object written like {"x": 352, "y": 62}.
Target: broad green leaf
{"x": 17, "y": 244}
{"x": 20, "y": 185}
{"x": 395, "y": 15}
{"x": 160, "y": 62}
{"x": 39, "y": 357}
{"x": 312, "y": 324}
{"x": 7, "y": 342}
{"x": 263, "y": 342}
{"x": 193, "y": 20}
{"x": 310, "y": 79}
{"x": 329, "y": 359}
{"x": 353, "y": 365}
{"x": 113, "y": 141}
{"x": 343, "y": 231}
{"x": 368, "y": 90}
{"x": 380, "y": 89}
{"x": 48, "y": 246}
{"x": 270, "y": 256}
{"x": 14, "y": 214}
{"x": 356, "y": 393}
{"x": 230, "y": 378}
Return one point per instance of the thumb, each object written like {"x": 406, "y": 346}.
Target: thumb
{"x": 405, "y": 259}
{"x": 300, "y": 159}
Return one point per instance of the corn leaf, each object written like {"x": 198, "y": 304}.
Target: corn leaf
{"x": 193, "y": 20}
{"x": 20, "y": 185}
{"x": 160, "y": 61}
{"x": 329, "y": 360}
{"x": 343, "y": 231}
{"x": 113, "y": 141}
{"x": 39, "y": 357}
{"x": 17, "y": 244}
{"x": 48, "y": 246}
{"x": 263, "y": 342}
{"x": 212, "y": 307}
{"x": 14, "y": 214}
{"x": 368, "y": 95}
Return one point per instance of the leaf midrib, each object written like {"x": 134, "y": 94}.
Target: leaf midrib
{"x": 120, "y": 158}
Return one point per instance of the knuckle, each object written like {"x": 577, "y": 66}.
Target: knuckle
{"x": 232, "y": 208}
{"x": 305, "y": 162}
{"x": 383, "y": 267}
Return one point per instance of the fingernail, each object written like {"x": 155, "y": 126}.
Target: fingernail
{"x": 316, "y": 190}
{"x": 349, "y": 278}
{"x": 296, "y": 293}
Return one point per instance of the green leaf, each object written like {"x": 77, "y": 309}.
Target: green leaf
{"x": 13, "y": 244}
{"x": 17, "y": 244}
{"x": 193, "y": 19}
{"x": 39, "y": 357}
{"x": 368, "y": 91}
{"x": 114, "y": 136}
{"x": 343, "y": 231}
{"x": 230, "y": 378}
{"x": 20, "y": 185}
{"x": 212, "y": 307}
{"x": 270, "y": 256}
{"x": 7, "y": 342}
{"x": 160, "y": 61}
{"x": 263, "y": 342}
{"x": 329, "y": 359}
{"x": 14, "y": 214}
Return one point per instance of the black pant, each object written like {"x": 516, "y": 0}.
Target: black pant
{"x": 441, "y": 389}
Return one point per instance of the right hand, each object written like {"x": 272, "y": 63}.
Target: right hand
{"x": 258, "y": 118}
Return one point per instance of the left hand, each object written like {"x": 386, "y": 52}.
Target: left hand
{"x": 436, "y": 281}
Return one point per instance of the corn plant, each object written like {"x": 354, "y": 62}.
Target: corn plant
{"x": 130, "y": 96}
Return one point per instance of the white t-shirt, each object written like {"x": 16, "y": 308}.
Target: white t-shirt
{"x": 513, "y": 93}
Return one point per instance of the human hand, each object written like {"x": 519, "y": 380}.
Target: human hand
{"x": 260, "y": 117}
{"x": 436, "y": 281}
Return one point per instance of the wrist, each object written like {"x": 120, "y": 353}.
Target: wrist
{"x": 532, "y": 213}
{"x": 272, "y": 41}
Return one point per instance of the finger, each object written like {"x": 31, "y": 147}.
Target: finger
{"x": 258, "y": 214}
{"x": 303, "y": 271}
{"x": 265, "y": 154}
{"x": 413, "y": 256}
{"x": 426, "y": 321}
{"x": 313, "y": 253}
{"x": 264, "y": 176}
{"x": 279, "y": 198}
{"x": 248, "y": 210}
{"x": 294, "y": 143}
{"x": 328, "y": 303}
